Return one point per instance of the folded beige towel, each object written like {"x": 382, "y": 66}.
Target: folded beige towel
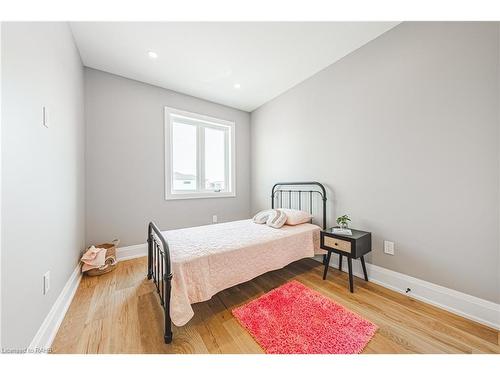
{"x": 93, "y": 258}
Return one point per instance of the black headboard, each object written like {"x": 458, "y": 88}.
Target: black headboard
{"x": 300, "y": 196}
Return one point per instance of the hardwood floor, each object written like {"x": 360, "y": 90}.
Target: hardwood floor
{"x": 120, "y": 313}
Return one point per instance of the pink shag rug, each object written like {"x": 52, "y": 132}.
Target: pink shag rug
{"x": 294, "y": 319}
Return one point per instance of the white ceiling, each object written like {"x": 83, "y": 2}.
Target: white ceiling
{"x": 206, "y": 60}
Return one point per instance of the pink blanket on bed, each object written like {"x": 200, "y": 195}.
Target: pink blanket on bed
{"x": 211, "y": 258}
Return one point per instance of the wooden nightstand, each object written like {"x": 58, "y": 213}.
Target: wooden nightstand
{"x": 353, "y": 247}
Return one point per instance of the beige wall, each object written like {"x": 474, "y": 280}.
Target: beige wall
{"x": 43, "y": 209}
{"x": 404, "y": 132}
{"x": 125, "y": 161}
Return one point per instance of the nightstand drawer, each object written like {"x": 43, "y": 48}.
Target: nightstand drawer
{"x": 337, "y": 244}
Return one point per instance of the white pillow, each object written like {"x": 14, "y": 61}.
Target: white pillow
{"x": 262, "y": 216}
{"x": 276, "y": 219}
{"x": 296, "y": 217}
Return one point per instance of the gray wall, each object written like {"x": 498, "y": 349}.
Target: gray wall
{"x": 404, "y": 131}
{"x": 43, "y": 209}
{"x": 125, "y": 161}
{"x": 498, "y": 109}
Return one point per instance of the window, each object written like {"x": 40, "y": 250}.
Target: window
{"x": 199, "y": 156}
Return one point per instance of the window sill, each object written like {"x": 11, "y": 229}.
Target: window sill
{"x": 174, "y": 197}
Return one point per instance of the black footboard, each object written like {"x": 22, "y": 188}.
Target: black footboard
{"x": 159, "y": 269}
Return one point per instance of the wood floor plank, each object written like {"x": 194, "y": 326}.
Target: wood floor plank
{"x": 119, "y": 312}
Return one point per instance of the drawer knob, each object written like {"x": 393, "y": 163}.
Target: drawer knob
{"x": 336, "y": 244}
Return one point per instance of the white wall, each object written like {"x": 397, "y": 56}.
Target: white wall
{"x": 404, "y": 132}
{"x": 0, "y": 185}
{"x": 125, "y": 161}
{"x": 43, "y": 211}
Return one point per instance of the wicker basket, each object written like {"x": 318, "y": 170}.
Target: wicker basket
{"x": 109, "y": 266}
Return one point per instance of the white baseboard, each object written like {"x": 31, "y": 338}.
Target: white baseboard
{"x": 131, "y": 252}
{"x": 48, "y": 330}
{"x": 470, "y": 307}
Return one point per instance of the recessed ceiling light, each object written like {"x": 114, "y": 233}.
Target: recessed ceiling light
{"x": 237, "y": 86}
{"x": 152, "y": 55}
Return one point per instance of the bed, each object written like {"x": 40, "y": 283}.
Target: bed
{"x": 191, "y": 265}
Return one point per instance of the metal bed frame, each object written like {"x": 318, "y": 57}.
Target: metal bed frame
{"x": 159, "y": 263}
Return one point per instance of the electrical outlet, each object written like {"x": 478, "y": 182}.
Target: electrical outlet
{"x": 389, "y": 247}
{"x": 46, "y": 282}
{"x": 214, "y": 219}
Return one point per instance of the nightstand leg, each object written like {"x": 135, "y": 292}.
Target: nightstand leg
{"x": 324, "y": 259}
{"x": 327, "y": 263}
{"x": 364, "y": 267}
{"x": 340, "y": 262}
{"x": 351, "y": 281}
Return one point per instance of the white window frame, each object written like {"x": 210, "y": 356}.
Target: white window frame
{"x": 201, "y": 121}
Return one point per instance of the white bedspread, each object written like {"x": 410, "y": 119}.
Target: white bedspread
{"x": 211, "y": 258}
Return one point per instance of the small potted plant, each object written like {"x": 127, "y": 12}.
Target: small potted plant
{"x": 342, "y": 221}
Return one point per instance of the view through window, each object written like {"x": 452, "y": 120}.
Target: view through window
{"x": 200, "y": 153}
